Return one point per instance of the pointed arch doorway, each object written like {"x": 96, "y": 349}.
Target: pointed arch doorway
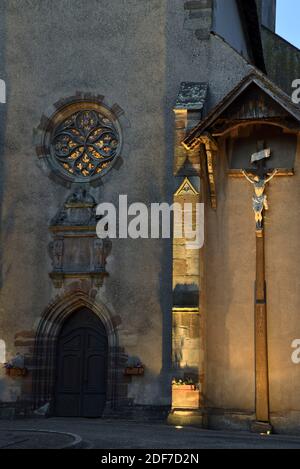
{"x": 81, "y": 366}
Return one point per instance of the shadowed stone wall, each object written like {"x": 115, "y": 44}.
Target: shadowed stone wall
{"x": 134, "y": 53}
{"x": 282, "y": 60}
{"x": 267, "y": 11}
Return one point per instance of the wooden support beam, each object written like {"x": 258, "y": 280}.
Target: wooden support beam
{"x": 282, "y": 172}
{"x": 211, "y": 150}
{"x": 261, "y": 340}
{"x": 211, "y": 177}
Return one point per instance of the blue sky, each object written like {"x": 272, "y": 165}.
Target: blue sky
{"x": 288, "y": 20}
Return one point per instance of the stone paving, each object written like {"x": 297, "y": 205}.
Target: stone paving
{"x": 28, "y": 439}
{"x": 113, "y": 434}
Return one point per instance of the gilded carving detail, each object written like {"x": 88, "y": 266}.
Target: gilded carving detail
{"x": 85, "y": 143}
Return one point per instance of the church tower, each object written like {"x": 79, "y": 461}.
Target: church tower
{"x": 267, "y": 13}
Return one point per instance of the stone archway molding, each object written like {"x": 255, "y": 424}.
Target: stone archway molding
{"x": 46, "y": 341}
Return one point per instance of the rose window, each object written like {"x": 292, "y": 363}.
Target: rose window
{"x": 85, "y": 144}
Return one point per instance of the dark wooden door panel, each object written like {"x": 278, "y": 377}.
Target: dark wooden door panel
{"x": 67, "y": 405}
{"x": 81, "y": 367}
{"x": 96, "y": 341}
{"x": 93, "y": 405}
{"x": 72, "y": 341}
{"x": 95, "y": 371}
{"x": 69, "y": 373}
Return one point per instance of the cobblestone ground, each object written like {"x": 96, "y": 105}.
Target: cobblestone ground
{"x": 113, "y": 434}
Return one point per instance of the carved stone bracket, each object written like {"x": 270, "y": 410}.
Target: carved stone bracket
{"x": 211, "y": 149}
{"x": 75, "y": 250}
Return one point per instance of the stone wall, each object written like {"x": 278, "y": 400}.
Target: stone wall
{"x": 267, "y": 11}
{"x": 225, "y": 14}
{"x": 282, "y": 60}
{"x": 134, "y": 53}
{"x": 230, "y": 268}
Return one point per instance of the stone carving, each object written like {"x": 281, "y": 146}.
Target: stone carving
{"x": 85, "y": 143}
{"x": 56, "y": 249}
{"x": 191, "y": 95}
{"x": 75, "y": 250}
{"x": 186, "y": 188}
{"x": 102, "y": 249}
{"x": 79, "y": 209}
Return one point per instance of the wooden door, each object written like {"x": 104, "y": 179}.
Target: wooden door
{"x": 80, "y": 389}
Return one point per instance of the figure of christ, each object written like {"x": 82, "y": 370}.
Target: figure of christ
{"x": 260, "y": 200}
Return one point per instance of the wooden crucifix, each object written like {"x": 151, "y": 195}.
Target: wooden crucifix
{"x": 259, "y": 176}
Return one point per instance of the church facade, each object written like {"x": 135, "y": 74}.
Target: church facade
{"x": 156, "y": 101}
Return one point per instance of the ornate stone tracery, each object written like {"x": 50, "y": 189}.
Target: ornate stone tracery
{"x": 85, "y": 143}
{"x": 80, "y": 138}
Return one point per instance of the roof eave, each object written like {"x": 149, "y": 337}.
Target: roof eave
{"x": 254, "y": 77}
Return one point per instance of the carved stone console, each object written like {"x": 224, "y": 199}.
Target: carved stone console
{"x": 75, "y": 250}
